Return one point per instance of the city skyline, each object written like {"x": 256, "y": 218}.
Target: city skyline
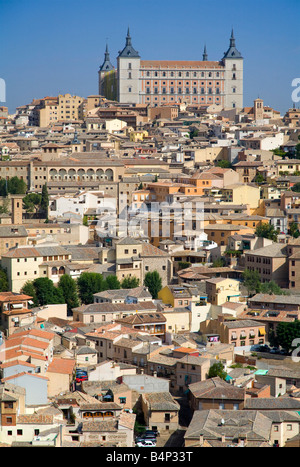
{"x": 55, "y": 48}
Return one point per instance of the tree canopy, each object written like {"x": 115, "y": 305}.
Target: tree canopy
{"x": 45, "y": 292}
{"x": 29, "y": 289}
{"x": 286, "y": 333}
{"x": 45, "y": 200}
{"x": 217, "y": 369}
{"x": 14, "y": 186}
{"x": 88, "y": 284}
{"x": 153, "y": 282}
{"x": 224, "y": 164}
{"x": 130, "y": 282}
{"x": 252, "y": 281}
{"x": 267, "y": 231}
{"x": 296, "y": 187}
{"x": 4, "y": 286}
{"x": 68, "y": 287}
{"x": 253, "y": 284}
{"x": 32, "y": 202}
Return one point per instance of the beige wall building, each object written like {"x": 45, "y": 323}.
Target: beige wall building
{"x": 61, "y": 108}
{"x": 220, "y": 290}
{"x": 161, "y": 411}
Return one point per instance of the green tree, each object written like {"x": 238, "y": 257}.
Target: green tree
{"x": 130, "y": 282}
{"x": 252, "y": 281}
{"x": 29, "y": 289}
{"x": 217, "y": 369}
{"x": 68, "y": 288}
{"x": 153, "y": 282}
{"x": 267, "y": 231}
{"x": 111, "y": 283}
{"x": 4, "y": 286}
{"x": 273, "y": 338}
{"x": 279, "y": 152}
{"x": 46, "y": 292}
{"x": 294, "y": 231}
{"x": 194, "y": 133}
{"x": 3, "y": 188}
{"x": 4, "y": 208}
{"x": 45, "y": 200}
{"x": 16, "y": 186}
{"x": 259, "y": 178}
{"x": 88, "y": 284}
{"x": 219, "y": 263}
{"x": 224, "y": 164}
{"x": 286, "y": 333}
{"x": 272, "y": 288}
{"x": 32, "y": 202}
{"x": 183, "y": 265}
{"x": 296, "y": 187}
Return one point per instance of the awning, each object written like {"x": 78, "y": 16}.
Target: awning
{"x": 262, "y": 331}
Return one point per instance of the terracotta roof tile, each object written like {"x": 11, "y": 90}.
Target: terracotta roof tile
{"x": 62, "y": 365}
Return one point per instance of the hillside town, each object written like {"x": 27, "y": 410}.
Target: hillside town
{"x": 150, "y": 263}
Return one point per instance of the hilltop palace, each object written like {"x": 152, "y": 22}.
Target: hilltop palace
{"x": 159, "y": 82}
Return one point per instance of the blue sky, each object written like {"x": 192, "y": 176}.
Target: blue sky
{"x": 56, "y": 46}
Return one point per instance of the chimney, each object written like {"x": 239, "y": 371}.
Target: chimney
{"x": 201, "y": 439}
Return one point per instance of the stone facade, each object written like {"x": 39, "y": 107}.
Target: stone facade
{"x": 159, "y": 82}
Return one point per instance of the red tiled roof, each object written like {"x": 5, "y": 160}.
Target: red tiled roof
{"x": 62, "y": 365}
{"x": 180, "y": 64}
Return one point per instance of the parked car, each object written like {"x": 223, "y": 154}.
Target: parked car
{"x": 151, "y": 433}
{"x": 80, "y": 378}
{"x": 275, "y": 350}
{"x": 146, "y": 443}
{"x": 144, "y": 437}
{"x": 264, "y": 348}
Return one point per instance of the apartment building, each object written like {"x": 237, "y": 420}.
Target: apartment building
{"x": 238, "y": 332}
{"x": 28, "y": 263}
{"x": 270, "y": 262}
{"x": 61, "y": 108}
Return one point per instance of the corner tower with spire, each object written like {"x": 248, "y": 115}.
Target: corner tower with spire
{"x": 129, "y": 62}
{"x": 107, "y": 78}
{"x": 233, "y": 63}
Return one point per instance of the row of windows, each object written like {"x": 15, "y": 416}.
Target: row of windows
{"x": 194, "y": 99}
{"x": 181, "y": 74}
{"x": 183, "y": 91}
{"x": 263, "y": 271}
{"x": 259, "y": 259}
{"x": 188, "y": 83}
